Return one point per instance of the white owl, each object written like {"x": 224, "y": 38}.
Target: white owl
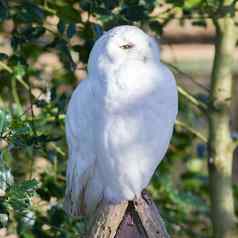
{"x": 119, "y": 121}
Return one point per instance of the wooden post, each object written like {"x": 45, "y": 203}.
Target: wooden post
{"x": 139, "y": 218}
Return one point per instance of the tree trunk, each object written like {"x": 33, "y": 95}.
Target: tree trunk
{"x": 139, "y": 218}
{"x": 220, "y": 143}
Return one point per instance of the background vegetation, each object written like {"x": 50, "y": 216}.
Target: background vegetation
{"x": 44, "y": 47}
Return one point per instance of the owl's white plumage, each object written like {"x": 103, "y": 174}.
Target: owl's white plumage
{"x": 119, "y": 121}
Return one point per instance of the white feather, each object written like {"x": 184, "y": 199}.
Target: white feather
{"x": 119, "y": 121}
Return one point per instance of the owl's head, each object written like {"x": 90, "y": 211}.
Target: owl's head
{"x": 120, "y": 45}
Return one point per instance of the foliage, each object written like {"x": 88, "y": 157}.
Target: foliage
{"x": 32, "y": 108}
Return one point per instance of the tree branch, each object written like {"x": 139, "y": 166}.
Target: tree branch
{"x": 191, "y": 130}
{"x": 179, "y": 71}
{"x": 202, "y": 106}
{"x": 6, "y": 67}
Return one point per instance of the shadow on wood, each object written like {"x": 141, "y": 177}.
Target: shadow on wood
{"x": 139, "y": 218}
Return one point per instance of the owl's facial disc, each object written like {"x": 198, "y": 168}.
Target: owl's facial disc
{"x": 123, "y": 45}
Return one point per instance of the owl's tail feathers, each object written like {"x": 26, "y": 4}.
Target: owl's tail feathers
{"x": 83, "y": 194}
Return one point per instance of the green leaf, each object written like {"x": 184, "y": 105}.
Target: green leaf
{"x": 3, "y": 56}
{"x": 61, "y": 26}
{"x": 19, "y": 71}
{"x": 31, "y": 33}
{"x": 102, "y": 11}
{"x": 71, "y": 30}
{"x": 110, "y": 4}
{"x": 29, "y": 12}
{"x": 57, "y": 215}
{"x": 177, "y": 3}
{"x": 156, "y": 26}
{"x": 2, "y": 121}
{"x": 77, "y": 48}
{"x": 65, "y": 55}
{"x": 195, "y": 165}
{"x": 37, "y": 32}
{"x": 50, "y": 187}
{"x": 29, "y": 186}
{"x": 85, "y": 5}
{"x": 84, "y": 52}
{"x": 68, "y": 13}
{"x": 131, "y": 2}
{"x": 201, "y": 23}
{"x": 19, "y": 195}
{"x": 3, "y": 10}
{"x": 36, "y": 11}
{"x": 134, "y": 13}
{"x": 52, "y": 157}
{"x": 14, "y": 42}
{"x": 192, "y": 3}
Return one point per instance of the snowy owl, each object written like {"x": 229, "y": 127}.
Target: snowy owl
{"x": 119, "y": 121}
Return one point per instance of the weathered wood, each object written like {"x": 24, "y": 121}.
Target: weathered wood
{"x": 131, "y": 225}
{"x": 107, "y": 220}
{"x": 150, "y": 217}
{"x": 139, "y": 218}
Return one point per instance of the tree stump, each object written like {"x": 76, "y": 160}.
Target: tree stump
{"x": 139, "y": 218}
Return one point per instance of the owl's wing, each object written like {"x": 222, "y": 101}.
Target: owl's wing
{"x": 83, "y": 188}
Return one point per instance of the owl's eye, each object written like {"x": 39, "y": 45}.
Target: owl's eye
{"x": 127, "y": 46}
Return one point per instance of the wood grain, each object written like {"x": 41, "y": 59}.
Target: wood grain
{"x": 139, "y": 218}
